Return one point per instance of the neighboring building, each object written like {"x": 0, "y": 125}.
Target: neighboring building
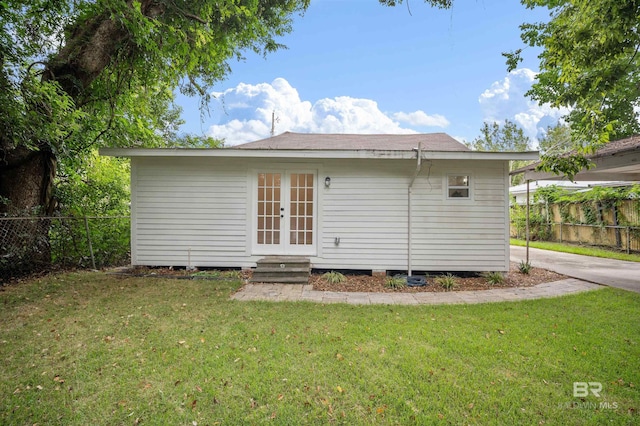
{"x": 343, "y": 201}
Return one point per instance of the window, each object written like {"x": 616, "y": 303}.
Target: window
{"x": 458, "y": 186}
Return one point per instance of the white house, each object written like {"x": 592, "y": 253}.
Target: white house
{"x": 421, "y": 202}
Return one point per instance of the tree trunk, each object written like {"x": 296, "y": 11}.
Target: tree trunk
{"x": 26, "y": 175}
{"x": 26, "y": 180}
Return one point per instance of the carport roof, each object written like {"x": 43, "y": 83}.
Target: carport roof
{"x": 618, "y": 160}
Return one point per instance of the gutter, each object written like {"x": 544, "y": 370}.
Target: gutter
{"x": 409, "y": 210}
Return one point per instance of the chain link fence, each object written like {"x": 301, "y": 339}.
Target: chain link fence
{"x": 30, "y": 244}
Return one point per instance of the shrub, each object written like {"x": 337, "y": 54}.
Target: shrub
{"x": 524, "y": 267}
{"x": 494, "y": 278}
{"x": 448, "y": 281}
{"x": 333, "y": 277}
{"x": 396, "y": 282}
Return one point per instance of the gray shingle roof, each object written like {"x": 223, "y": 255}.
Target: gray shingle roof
{"x": 311, "y": 141}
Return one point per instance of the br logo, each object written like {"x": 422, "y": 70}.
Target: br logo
{"x": 582, "y": 389}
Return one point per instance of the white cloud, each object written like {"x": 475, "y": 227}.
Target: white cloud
{"x": 420, "y": 118}
{"x": 506, "y": 99}
{"x": 249, "y": 109}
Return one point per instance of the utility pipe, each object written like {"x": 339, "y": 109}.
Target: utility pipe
{"x": 409, "y": 219}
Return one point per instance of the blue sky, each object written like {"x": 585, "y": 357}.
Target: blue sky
{"x": 357, "y": 67}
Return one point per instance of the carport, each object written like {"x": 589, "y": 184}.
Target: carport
{"x": 616, "y": 161}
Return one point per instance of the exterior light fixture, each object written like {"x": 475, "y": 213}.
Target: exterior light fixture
{"x": 327, "y": 182}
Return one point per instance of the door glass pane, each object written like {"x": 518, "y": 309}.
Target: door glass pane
{"x": 301, "y": 209}
{"x": 268, "y": 224}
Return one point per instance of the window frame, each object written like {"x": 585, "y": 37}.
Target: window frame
{"x": 468, "y": 187}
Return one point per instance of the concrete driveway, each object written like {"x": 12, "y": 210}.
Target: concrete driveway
{"x": 613, "y": 273}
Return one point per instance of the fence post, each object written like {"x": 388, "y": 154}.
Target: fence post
{"x": 560, "y": 230}
{"x": 86, "y": 227}
{"x": 628, "y": 240}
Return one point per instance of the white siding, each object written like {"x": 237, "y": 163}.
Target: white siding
{"x": 189, "y": 204}
{"x": 204, "y": 204}
{"x": 366, "y": 207}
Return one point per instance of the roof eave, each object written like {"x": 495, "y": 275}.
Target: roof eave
{"x": 328, "y": 154}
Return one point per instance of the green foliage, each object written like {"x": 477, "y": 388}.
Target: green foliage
{"x": 447, "y": 281}
{"x": 524, "y": 267}
{"x": 75, "y": 75}
{"x": 397, "y": 282}
{"x": 548, "y": 194}
{"x": 508, "y": 137}
{"x": 333, "y": 277}
{"x": 568, "y": 165}
{"x": 538, "y": 229}
{"x": 494, "y": 278}
{"x": 218, "y": 275}
{"x": 91, "y": 185}
{"x": 557, "y": 140}
{"x": 589, "y": 63}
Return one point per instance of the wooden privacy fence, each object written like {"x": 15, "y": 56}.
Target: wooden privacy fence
{"x": 615, "y": 225}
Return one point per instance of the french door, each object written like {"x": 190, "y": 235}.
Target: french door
{"x": 285, "y": 222}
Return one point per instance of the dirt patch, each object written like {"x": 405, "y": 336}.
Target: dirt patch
{"x": 366, "y": 283}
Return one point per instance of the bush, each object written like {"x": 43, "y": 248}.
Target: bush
{"x": 396, "y": 282}
{"x": 448, "y": 281}
{"x": 333, "y": 277}
{"x": 494, "y": 278}
{"x": 524, "y": 267}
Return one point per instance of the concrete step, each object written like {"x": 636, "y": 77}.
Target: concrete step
{"x": 277, "y": 263}
{"x": 282, "y": 269}
{"x": 277, "y": 269}
{"x": 281, "y": 280}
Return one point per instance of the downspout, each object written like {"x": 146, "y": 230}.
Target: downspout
{"x": 410, "y": 191}
{"x": 527, "y": 226}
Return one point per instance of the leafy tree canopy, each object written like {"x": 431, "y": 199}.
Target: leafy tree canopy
{"x": 75, "y": 72}
{"x": 557, "y": 140}
{"x": 589, "y": 64}
{"x": 494, "y": 137}
{"x": 508, "y": 137}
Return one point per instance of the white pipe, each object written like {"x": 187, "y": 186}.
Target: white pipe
{"x": 527, "y": 228}
{"x": 409, "y": 218}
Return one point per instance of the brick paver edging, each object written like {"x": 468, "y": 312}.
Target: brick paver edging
{"x": 300, "y": 292}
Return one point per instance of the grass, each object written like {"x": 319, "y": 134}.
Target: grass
{"x": 89, "y": 348}
{"x": 575, "y": 249}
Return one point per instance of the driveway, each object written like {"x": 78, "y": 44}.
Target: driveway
{"x": 610, "y": 272}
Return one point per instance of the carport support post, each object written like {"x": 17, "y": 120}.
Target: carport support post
{"x": 527, "y": 228}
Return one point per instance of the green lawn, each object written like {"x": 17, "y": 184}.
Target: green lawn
{"x": 89, "y": 348}
{"x": 575, "y": 249}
